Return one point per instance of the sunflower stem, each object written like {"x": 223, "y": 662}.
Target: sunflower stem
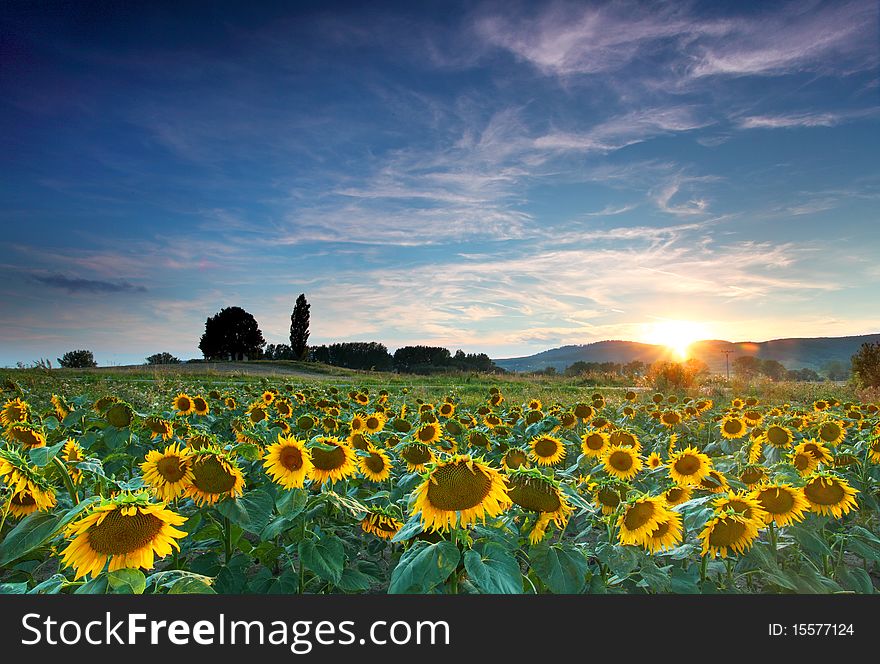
{"x": 68, "y": 481}
{"x": 227, "y": 538}
{"x": 6, "y": 511}
{"x": 772, "y": 535}
{"x": 704, "y": 565}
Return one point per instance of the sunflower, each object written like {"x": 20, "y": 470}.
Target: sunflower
{"x": 546, "y": 450}
{"x": 17, "y": 472}
{"x": 230, "y": 403}
{"x": 829, "y": 494}
{"x": 874, "y": 450}
{"x": 62, "y": 408}
{"x": 31, "y": 499}
{"x": 417, "y": 457}
{"x": 621, "y": 462}
{"x": 215, "y": 476}
{"x": 183, "y": 404}
{"x": 595, "y": 443}
{"x": 714, "y": 482}
{"x": 536, "y": 493}
{"x": 689, "y": 466}
{"x": 159, "y": 427}
{"x": 624, "y": 438}
{"x": 667, "y": 534}
{"x": 676, "y": 495}
{"x": 72, "y": 454}
{"x": 256, "y": 412}
{"x": 832, "y": 432}
{"x": 374, "y": 422}
{"x": 778, "y": 436}
{"x": 288, "y": 462}
{"x": 29, "y": 436}
{"x": 752, "y": 417}
{"x": 375, "y": 465}
{"x": 743, "y": 503}
{"x": 726, "y": 532}
{"x": 732, "y": 427}
{"x": 380, "y": 524}
{"x": 429, "y": 432}
{"x": 654, "y": 461}
{"x": 200, "y": 405}
{"x": 515, "y": 458}
{"x": 359, "y": 441}
{"x": 128, "y": 531}
{"x": 820, "y": 405}
{"x": 803, "y": 461}
{"x": 753, "y": 475}
{"x": 640, "y": 518}
{"x": 332, "y": 459}
{"x": 783, "y": 503}
{"x": 460, "y": 490}
{"x": 670, "y": 418}
{"x": 815, "y": 449}
{"x": 14, "y": 411}
{"x": 168, "y": 473}
{"x": 609, "y": 498}
{"x": 360, "y": 398}
{"x": 534, "y": 404}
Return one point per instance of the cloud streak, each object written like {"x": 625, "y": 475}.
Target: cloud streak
{"x": 76, "y": 285}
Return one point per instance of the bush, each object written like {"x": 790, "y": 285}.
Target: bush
{"x": 675, "y": 375}
{"x": 162, "y": 358}
{"x": 77, "y": 359}
{"x": 866, "y": 365}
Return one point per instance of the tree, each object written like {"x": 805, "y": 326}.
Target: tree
{"x": 421, "y": 359}
{"x": 162, "y": 358}
{"x": 866, "y": 365}
{"x": 746, "y": 366}
{"x": 836, "y": 370}
{"x": 278, "y": 352}
{"x": 676, "y": 375}
{"x": 367, "y": 355}
{"x": 77, "y": 359}
{"x": 299, "y": 327}
{"x": 232, "y": 334}
{"x": 774, "y": 369}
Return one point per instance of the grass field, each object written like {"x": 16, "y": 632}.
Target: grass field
{"x": 288, "y": 477}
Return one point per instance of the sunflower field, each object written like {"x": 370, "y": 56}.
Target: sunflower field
{"x": 205, "y": 486}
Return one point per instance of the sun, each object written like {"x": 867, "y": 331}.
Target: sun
{"x": 677, "y": 335}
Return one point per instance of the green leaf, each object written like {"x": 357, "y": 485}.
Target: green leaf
{"x": 424, "y": 566}
{"x": 51, "y": 586}
{"x": 562, "y": 568}
{"x": 495, "y": 570}
{"x": 292, "y": 502}
{"x": 189, "y": 585}
{"x": 325, "y": 557}
{"x": 127, "y": 581}
{"x": 278, "y": 526}
{"x": 856, "y": 579}
{"x": 13, "y": 588}
{"x": 810, "y": 540}
{"x": 410, "y": 529}
{"x": 40, "y": 456}
{"x": 35, "y": 529}
{"x": 252, "y": 511}
{"x": 354, "y": 581}
{"x": 97, "y": 586}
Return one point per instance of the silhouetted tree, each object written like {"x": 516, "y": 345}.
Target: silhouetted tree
{"x": 804, "y": 374}
{"x": 232, "y": 334}
{"x": 299, "y": 327}
{"x": 162, "y": 358}
{"x": 367, "y": 355}
{"x": 421, "y": 359}
{"x": 866, "y": 365}
{"x": 278, "y": 352}
{"x": 77, "y": 359}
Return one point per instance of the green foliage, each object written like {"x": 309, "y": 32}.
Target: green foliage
{"x": 866, "y": 365}
{"x": 77, "y": 359}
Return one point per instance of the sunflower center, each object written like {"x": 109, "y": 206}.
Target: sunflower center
{"x": 416, "y": 454}
{"x": 211, "y": 476}
{"x": 675, "y": 494}
{"x": 456, "y": 487}
{"x": 751, "y": 475}
{"x": 639, "y": 514}
{"x": 291, "y": 458}
{"x": 514, "y": 459}
{"x": 535, "y": 495}
{"x": 687, "y": 465}
{"x": 170, "y": 468}
{"x": 824, "y": 493}
{"x": 661, "y": 529}
{"x": 802, "y": 461}
{"x": 546, "y": 447}
{"x": 375, "y": 463}
{"x": 776, "y": 500}
{"x": 608, "y": 497}
{"x": 331, "y": 460}
{"x": 829, "y": 431}
{"x": 777, "y": 436}
{"x": 733, "y": 426}
{"x": 184, "y": 404}
{"x": 426, "y": 433}
{"x": 726, "y": 532}
{"x": 372, "y": 423}
{"x": 23, "y": 499}
{"x": 200, "y": 404}
{"x": 118, "y": 534}
{"x": 620, "y": 460}
{"x": 594, "y": 441}
{"x": 358, "y": 441}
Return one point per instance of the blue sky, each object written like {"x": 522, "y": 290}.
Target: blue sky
{"x": 496, "y": 177}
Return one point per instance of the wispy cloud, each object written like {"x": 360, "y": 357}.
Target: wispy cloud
{"x": 79, "y": 285}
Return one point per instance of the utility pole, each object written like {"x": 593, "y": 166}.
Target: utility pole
{"x": 727, "y": 362}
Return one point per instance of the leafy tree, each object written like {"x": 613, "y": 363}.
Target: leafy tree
{"x": 299, "y": 327}
{"x": 805, "y": 374}
{"x": 162, "y": 358}
{"x": 421, "y": 359}
{"x": 366, "y": 355}
{"x": 773, "y": 369}
{"x": 866, "y": 365}
{"x": 746, "y": 366}
{"x": 232, "y": 334}
{"x": 676, "y": 375}
{"x": 278, "y": 352}
{"x": 77, "y": 359}
{"x": 836, "y": 370}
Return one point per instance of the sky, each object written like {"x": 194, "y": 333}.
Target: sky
{"x": 498, "y": 177}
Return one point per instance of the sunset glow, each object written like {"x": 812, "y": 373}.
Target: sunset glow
{"x": 678, "y": 335}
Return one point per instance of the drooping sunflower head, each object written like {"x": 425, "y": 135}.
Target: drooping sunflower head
{"x": 288, "y": 462}
{"x": 119, "y": 414}
{"x": 215, "y": 475}
{"x": 640, "y": 518}
{"x": 830, "y": 494}
{"x": 381, "y": 524}
{"x": 375, "y": 465}
{"x": 169, "y": 472}
{"x": 670, "y": 418}
{"x": 783, "y": 503}
{"x": 714, "y": 482}
{"x": 609, "y": 497}
{"x": 535, "y": 492}
{"x": 461, "y": 490}
{"x": 778, "y": 436}
{"x": 332, "y": 459}
{"x": 29, "y": 500}
{"x": 733, "y": 427}
{"x": 688, "y": 467}
{"x": 666, "y": 535}
{"x": 72, "y": 454}
{"x": 625, "y": 438}
{"x": 200, "y": 405}
{"x": 728, "y": 532}
{"x": 595, "y": 443}
{"x": 621, "y": 462}
{"x": 676, "y": 495}
{"x": 753, "y": 475}
{"x": 127, "y": 531}
{"x": 428, "y": 433}
{"x": 743, "y": 503}
{"x": 417, "y": 457}
{"x": 831, "y": 432}
{"x": 546, "y": 450}
{"x": 31, "y": 491}
{"x": 159, "y": 426}
{"x": 59, "y": 403}
{"x": 183, "y": 404}
{"x": 14, "y": 411}
{"x": 29, "y": 436}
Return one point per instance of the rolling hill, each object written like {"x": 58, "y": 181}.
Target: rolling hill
{"x": 812, "y": 353}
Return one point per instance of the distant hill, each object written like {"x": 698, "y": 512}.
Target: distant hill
{"x": 811, "y": 353}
